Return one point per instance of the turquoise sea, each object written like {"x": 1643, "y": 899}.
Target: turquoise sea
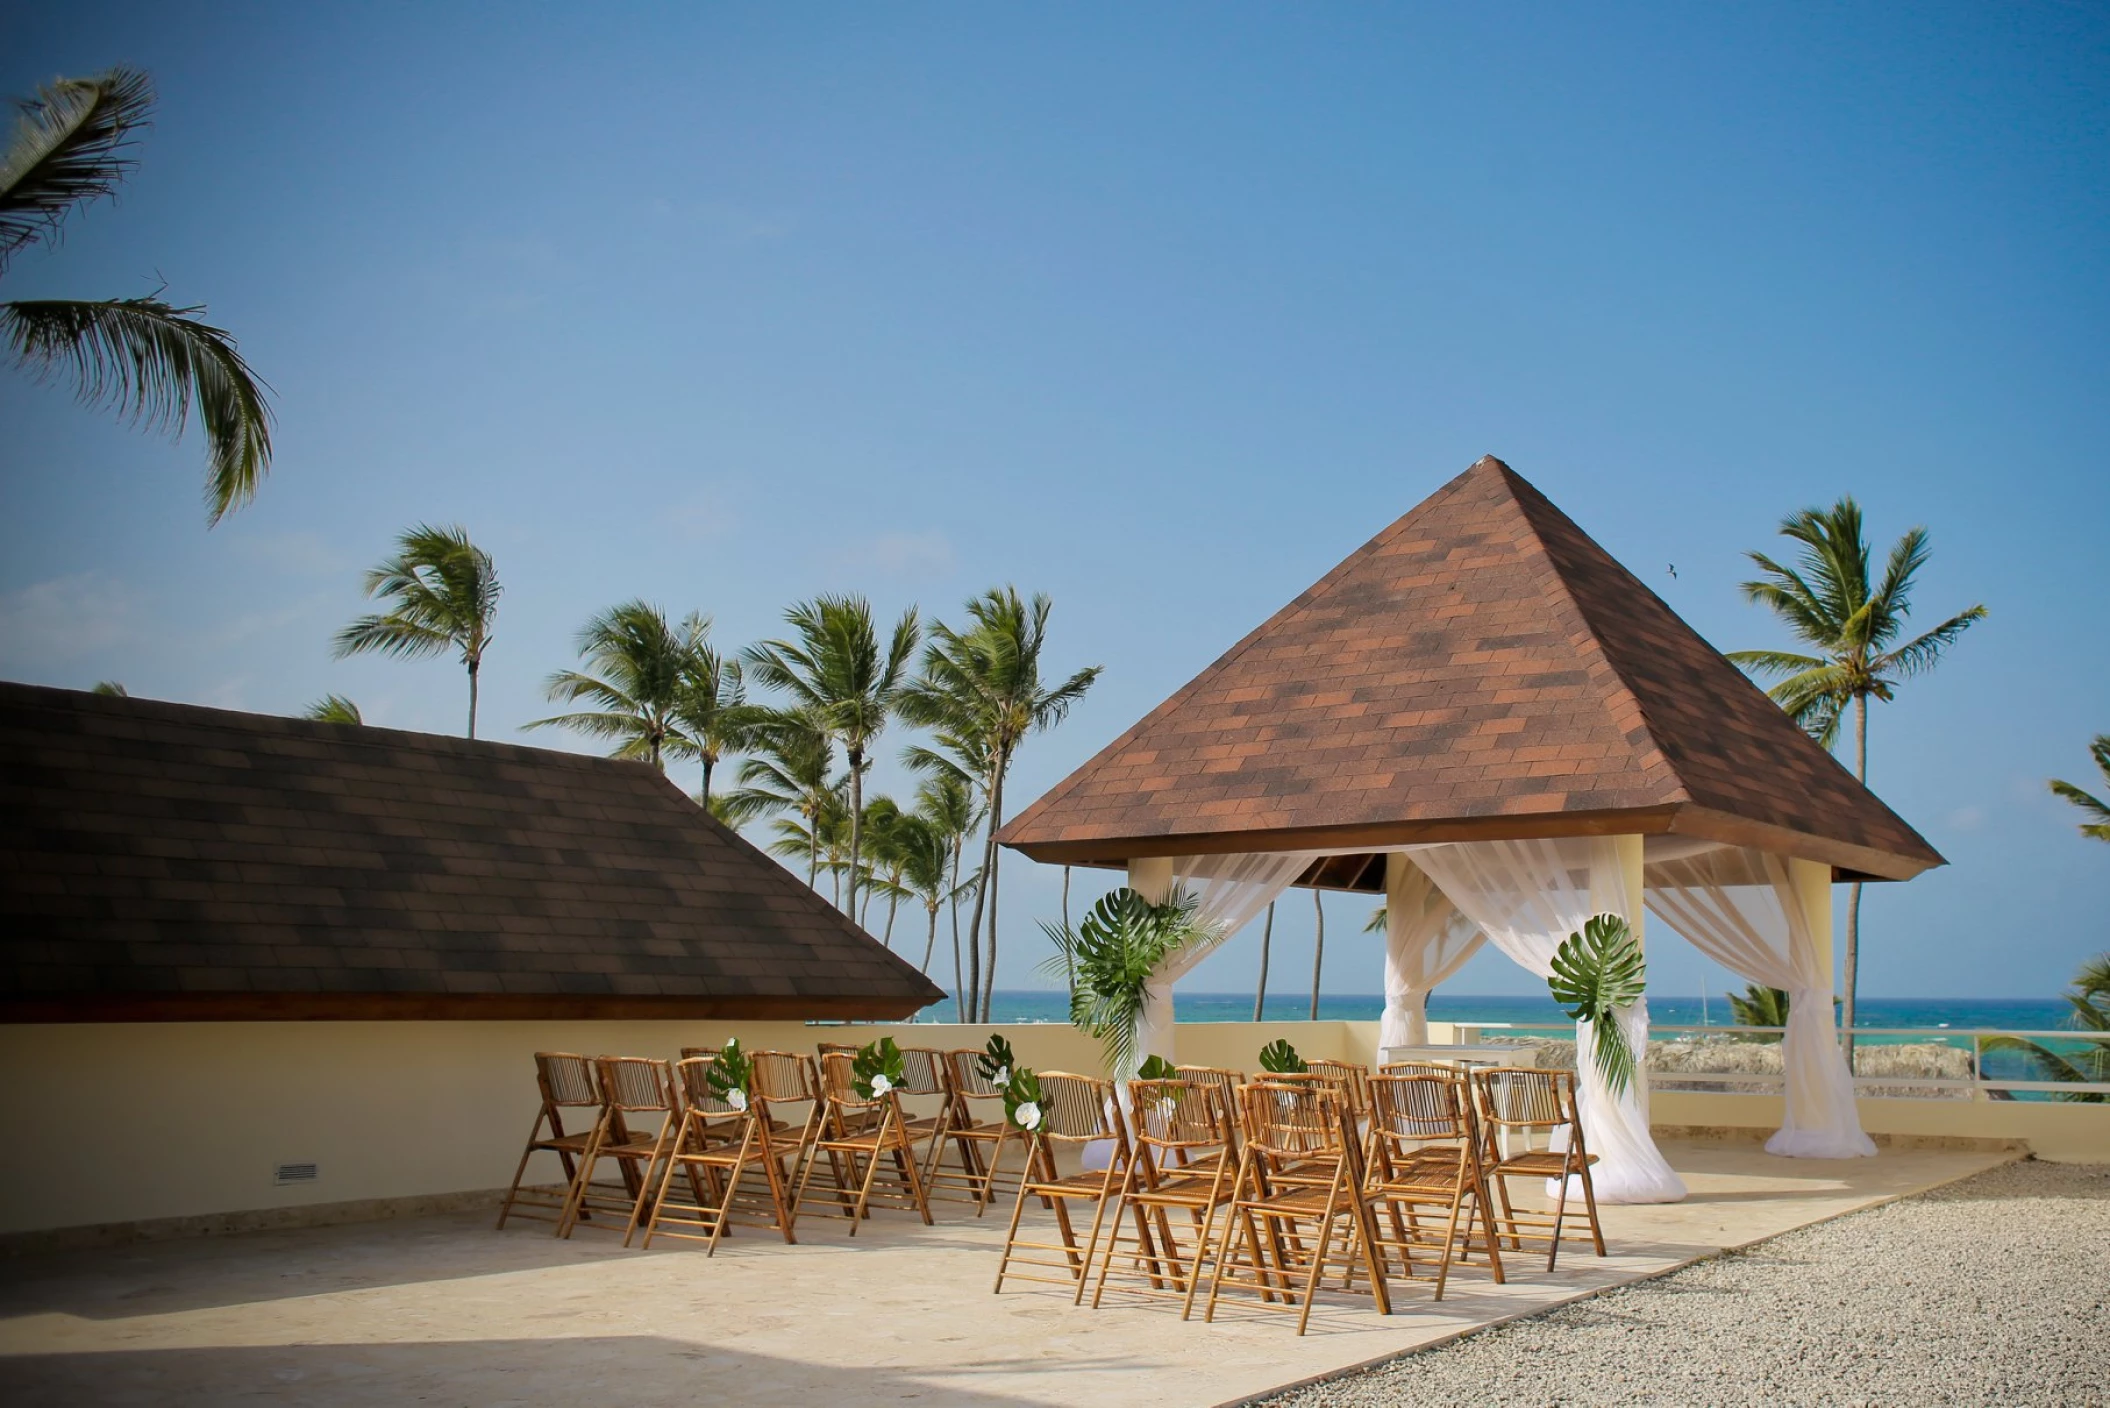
{"x": 1956, "y": 1013}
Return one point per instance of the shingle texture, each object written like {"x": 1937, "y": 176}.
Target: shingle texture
{"x": 1481, "y": 659}
{"x": 158, "y": 858}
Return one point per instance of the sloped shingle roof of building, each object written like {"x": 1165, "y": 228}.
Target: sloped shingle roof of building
{"x": 1481, "y": 668}
{"x": 164, "y": 861}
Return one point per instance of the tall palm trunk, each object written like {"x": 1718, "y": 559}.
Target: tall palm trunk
{"x": 996, "y": 821}
{"x": 930, "y": 945}
{"x": 893, "y": 903}
{"x": 1853, "y": 891}
{"x": 1069, "y": 965}
{"x": 857, "y": 820}
{"x": 974, "y": 936}
{"x": 1318, "y": 951}
{"x": 1267, "y": 938}
{"x": 959, "y": 989}
{"x": 474, "y": 666}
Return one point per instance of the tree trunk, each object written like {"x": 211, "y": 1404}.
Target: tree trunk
{"x": 813, "y": 846}
{"x": 952, "y": 900}
{"x": 474, "y": 666}
{"x": 1267, "y": 938}
{"x": 974, "y": 945}
{"x": 996, "y": 821}
{"x": 857, "y": 820}
{"x": 1069, "y": 964}
{"x": 930, "y": 945}
{"x": 893, "y": 903}
{"x": 706, "y": 782}
{"x": 1853, "y": 891}
{"x": 1318, "y": 952}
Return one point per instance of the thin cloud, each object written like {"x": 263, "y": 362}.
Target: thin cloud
{"x": 66, "y": 618}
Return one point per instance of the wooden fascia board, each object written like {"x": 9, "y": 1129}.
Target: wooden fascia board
{"x": 443, "y": 1007}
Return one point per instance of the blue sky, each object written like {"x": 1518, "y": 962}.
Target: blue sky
{"x": 1162, "y": 310}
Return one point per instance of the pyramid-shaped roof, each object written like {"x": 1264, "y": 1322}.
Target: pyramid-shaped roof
{"x": 1481, "y": 668}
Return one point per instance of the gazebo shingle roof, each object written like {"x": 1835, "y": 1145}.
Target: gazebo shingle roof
{"x": 165, "y": 862}
{"x": 1481, "y": 668}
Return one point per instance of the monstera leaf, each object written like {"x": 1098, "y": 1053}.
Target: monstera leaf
{"x": 1595, "y": 973}
{"x": 1024, "y": 1105}
{"x": 731, "y": 1074}
{"x": 1157, "y": 1068}
{"x": 997, "y": 1062}
{"x": 1280, "y": 1058}
{"x": 877, "y": 1069}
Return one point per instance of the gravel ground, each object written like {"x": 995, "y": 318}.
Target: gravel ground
{"x": 1993, "y": 1290}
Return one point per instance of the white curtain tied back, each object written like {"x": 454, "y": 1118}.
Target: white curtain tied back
{"x": 1742, "y": 908}
{"x": 1426, "y": 941}
{"x": 1528, "y": 897}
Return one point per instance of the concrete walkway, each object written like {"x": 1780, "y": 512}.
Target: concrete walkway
{"x": 443, "y": 1310}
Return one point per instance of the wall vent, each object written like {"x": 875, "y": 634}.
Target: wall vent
{"x": 296, "y": 1173}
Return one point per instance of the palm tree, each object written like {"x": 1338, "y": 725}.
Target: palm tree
{"x": 881, "y": 825}
{"x": 820, "y": 837}
{"x": 2090, "y": 999}
{"x": 333, "y": 709}
{"x": 1852, "y": 625}
{"x": 2090, "y": 806}
{"x": 838, "y": 672}
{"x": 1318, "y": 952}
{"x": 926, "y": 851}
{"x": 643, "y": 671}
{"x": 946, "y": 803}
{"x": 1267, "y": 940}
{"x": 444, "y": 593}
{"x": 1759, "y": 1006}
{"x": 981, "y": 689}
{"x": 111, "y": 689}
{"x": 151, "y": 361}
{"x": 790, "y": 759}
{"x": 711, "y": 709}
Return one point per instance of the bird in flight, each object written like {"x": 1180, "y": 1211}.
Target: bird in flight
{"x": 1674, "y": 569}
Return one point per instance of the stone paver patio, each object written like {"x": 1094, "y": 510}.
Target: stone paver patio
{"x": 442, "y": 1310}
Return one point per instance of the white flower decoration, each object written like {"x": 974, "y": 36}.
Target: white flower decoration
{"x": 1002, "y": 1076}
{"x": 1028, "y": 1115}
{"x": 737, "y": 1098}
{"x": 880, "y": 1084}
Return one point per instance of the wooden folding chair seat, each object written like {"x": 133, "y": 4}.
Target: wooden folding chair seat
{"x": 1517, "y": 1107}
{"x": 566, "y": 1083}
{"x": 633, "y": 1089}
{"x": 1075, "y": 1111}
{"x": 715, "y": 1146}
{"x": 1282, "y": 1236}
{"x": 976, "y": 1139}
{"x": 865, "y": 1147}
{"x": 1179, "y": 1179}
{"x": 1424, "y": 1175}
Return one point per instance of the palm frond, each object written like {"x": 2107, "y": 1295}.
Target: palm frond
{"x": 157, "y": 365}
{"x": 1772, "y": 662}
{"x": 69, "y": 147}
{"x": 1918, "y": 656}
{"x": 390, "y": 635}
{"x": 333, "y": 709}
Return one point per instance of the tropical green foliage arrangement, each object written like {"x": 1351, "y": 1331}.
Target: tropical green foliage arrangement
{"x": 1279, "y": 1058}
{"x": 1110, "y": 956}
{"x": 731, "y": 1074}
{"x": 1851, "y": 623}
{"x": 152, "y": 362}
{"x": 1596, "y": 973}
{"x": 1156, "y": 1067}
{"x": 2091, "y": 805}
{"x": 2090, "y": 999}
{"x": 1024, "y": 1104}
{"x": 877, "y": 1069}
{"x": 997, "y": 1061}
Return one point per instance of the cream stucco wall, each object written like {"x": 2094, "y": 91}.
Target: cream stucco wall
{"x": 141, "y": 1122}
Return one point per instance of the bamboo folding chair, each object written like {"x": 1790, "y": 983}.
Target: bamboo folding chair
{"x": 1515, "y": 1106}
{"x": 714, "y": 1146}
{"x": 1225, "y": 1083}
{"x": 859, "y": 1139}
{"x": 924, "y": 1077}
{"x": 1424, "y": 1173}
{"x": 1075, "y": 1111}
{"x": 1352, "y": 1080}
{"x": 566, "y": 1083}
{"x": 1181, "y": 1172}
{"x": 1300, "y": 1125}
{"x": 630, "y": 1086}
{"x": 791, "y": 1082}
{"x": 977, "y": 1143}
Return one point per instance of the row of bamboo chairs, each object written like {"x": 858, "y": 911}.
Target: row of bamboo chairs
{"x": 1271, "y": 1186}
{"x": 686, "y": 1163}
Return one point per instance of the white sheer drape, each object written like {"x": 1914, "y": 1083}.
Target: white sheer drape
{"x": 1529, "y": 896}
{"x": 1426, "y": 941}
{"x": 1742, "y": 909}
{"x": 1229, "y": 890}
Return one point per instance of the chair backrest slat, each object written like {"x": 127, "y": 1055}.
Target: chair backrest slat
{"x": 1076, "y": 1107}
{"x": 566, "y": 1079}
{"x": 1416, "y": 1109}
{"x": 1524, "y": 1097}
{"x": 1177, "y": 1114}
{"x": 1293, "y": 1120}
{"x": 786, "y": 1076}
{"x": 635, "y": 1082}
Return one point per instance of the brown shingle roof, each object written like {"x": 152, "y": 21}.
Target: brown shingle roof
{"x": 1480, "y": 668}
{"x": 164, "y": 861}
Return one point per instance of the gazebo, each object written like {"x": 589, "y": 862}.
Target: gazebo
{"x": 1484, "y": 718}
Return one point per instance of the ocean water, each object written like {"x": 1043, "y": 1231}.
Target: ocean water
{"x": 1955, "y": 1013}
